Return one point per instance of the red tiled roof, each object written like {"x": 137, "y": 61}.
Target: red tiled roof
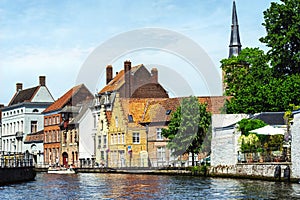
{"x": 156, "y": 110}
{"x": 118, "y": 81}
{"x": 65, "y": 99}
{"x": 35, "y": 137}
{"x": 24, "y": 95}
{"x": 134, "y": 107}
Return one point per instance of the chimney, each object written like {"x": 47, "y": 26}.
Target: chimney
{"x": 154, "y": 74}
{"x": 42, "y": 80}
{"x": 127, "y": 68}
{"x": 19, "y": 87}
{"x": 109, "y": 73}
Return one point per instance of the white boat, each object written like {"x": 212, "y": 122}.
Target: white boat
{"x": 61, "y": 170}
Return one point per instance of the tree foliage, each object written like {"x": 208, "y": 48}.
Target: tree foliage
{"x": 247, "y": 125}
{"x": 259, "y": 82}
{"x": 282, "y": 23}
{"x": 188, "y": 127}
{"x": 254, "y": 88}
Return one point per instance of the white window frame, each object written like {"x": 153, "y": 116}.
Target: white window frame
{"x": 136, "y": 138}
{"x": 159, "y": 134}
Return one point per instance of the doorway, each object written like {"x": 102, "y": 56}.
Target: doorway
{"x": 65, "y": 159}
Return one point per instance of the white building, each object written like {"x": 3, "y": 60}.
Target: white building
{"x": 87, "y": 129}
{"x": 23, "y": 115}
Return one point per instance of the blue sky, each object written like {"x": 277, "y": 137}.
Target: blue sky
{"x": 54, "y": 38}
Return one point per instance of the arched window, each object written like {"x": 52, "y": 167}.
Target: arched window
{"x": 35, "y": 110}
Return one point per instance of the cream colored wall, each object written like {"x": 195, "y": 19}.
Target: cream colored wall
{"x": 118, "y": 155}
{"x": 102, "y": 132}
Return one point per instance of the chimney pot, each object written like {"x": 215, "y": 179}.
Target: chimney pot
{"x": 42, "y": 80}
{"x": 109, "y": 73}
{"x": 19, "y": 87}
{"x": 154, "y": 74}
{"x": 127, "y": 66}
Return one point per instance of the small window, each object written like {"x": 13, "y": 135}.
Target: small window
{"x": 168, "y": 112}
{"x": 130, "y": 118}
{"x": 101, "y": 125}
{"x": 116, "y": 121}
{"x": 33, "y": 126}
{"x": 158, "y": 134}
{"x": 135, "y": 138}
{"x": 35, "y": 110}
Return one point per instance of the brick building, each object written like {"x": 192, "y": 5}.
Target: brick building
{"x": 131, "y": 82}
{"x": 127, "y": 139}
{"x": 157, "y": 115}
{"x": 54, "y": 118}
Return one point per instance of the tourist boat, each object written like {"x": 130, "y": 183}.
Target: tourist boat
{"x": 61, "y": 170}
{"x": 16, "y": 174}
{"x": 14, "y": 169}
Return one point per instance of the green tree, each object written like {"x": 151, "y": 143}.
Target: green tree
{"x": 188, "y": 127}
{"x": 246, "y": 77}
{"x": 253, "y": 87}
{"x": 282, "y": 23}
{"x": 247, "y": 125}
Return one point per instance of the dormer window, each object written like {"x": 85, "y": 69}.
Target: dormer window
{"x": 130, "y": 118}
{"x": 168, "y": 112}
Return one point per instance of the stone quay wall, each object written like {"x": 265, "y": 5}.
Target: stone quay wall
{"x": 263, "y": 171}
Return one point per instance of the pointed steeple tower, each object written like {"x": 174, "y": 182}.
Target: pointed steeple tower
{"x": 235, "y": 43}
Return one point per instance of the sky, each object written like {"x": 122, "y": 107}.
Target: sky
{"x": 57, "y": 38}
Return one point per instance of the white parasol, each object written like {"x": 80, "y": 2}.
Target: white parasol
{"x": 269, "y": 130}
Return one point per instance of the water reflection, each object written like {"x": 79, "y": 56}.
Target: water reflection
{"x": 125, "y": 186}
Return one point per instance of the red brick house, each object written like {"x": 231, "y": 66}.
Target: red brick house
{"x": 53, "y": 119}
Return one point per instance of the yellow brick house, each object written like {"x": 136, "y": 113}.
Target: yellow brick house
{"x": 127, "y": 139}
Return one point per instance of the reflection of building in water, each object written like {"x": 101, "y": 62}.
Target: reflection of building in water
{"x": 133, "y": 186}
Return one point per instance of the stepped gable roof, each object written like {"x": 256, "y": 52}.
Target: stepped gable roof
{"x": 108, "y": 116}
{"x": 118, "y": 81}
{"x": 35, "y": 137}
{"x": 65, "y": 99}
{"x": 24, "y": 95}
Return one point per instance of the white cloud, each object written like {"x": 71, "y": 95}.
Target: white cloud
{"x": 60, "y": 66}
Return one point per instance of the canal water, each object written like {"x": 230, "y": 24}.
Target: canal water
{"x": 128, "y": 186}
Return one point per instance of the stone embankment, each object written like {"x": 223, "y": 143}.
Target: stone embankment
{"x": 263, "y": 171}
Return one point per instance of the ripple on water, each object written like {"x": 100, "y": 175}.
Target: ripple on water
{"x": 129, "y": 186}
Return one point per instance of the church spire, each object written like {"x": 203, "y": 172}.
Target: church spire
{"x": 235, "y": 44}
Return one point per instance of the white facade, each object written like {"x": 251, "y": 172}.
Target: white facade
{"x": 102, "y": 138}
{"x": 22, "y": 118}
{"x": 224, "y": 142}
{"x": 17, "y": 122}
{"x": 295, "y": 150}
{"x": 87, "y": 132}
